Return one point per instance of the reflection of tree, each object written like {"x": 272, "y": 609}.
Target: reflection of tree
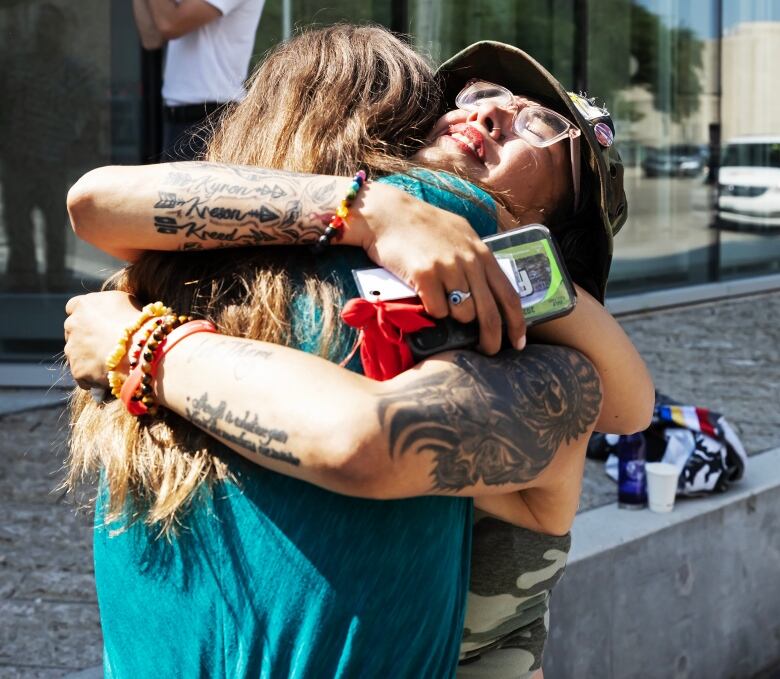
{"x": 666, "y": 53}
{"x": 668, "y": 60}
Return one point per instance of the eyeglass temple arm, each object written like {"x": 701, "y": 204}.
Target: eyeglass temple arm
{"x": 574, "y": 149}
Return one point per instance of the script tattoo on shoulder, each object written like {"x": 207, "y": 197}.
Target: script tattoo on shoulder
{"x": 234, "y": 205}
{"x": 496, "y": 420}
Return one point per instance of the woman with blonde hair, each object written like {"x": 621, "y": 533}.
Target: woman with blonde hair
{"x": 389, "y": 602}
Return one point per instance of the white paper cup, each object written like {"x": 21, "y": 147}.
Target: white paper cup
{"x": 661, "y": 486}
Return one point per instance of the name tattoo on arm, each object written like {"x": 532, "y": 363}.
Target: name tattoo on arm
{"x": 271, "y": 207}
{"x": 495, "y": 419}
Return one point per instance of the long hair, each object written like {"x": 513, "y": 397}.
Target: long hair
{"x": 328, "y": 101}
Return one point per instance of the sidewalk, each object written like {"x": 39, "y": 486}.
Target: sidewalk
{"x": 724, "y": 355}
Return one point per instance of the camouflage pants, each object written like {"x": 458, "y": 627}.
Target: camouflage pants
{"x": 513, "y": 571}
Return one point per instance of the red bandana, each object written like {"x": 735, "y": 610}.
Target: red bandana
{"x": 383, "y": 325}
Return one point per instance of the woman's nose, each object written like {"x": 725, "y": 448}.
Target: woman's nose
{"x": 490, "y": 117}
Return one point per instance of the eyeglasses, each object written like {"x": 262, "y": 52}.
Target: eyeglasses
{"x": 538, "y": 125}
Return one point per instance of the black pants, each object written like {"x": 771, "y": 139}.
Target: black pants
{"x": 187, "y": 130}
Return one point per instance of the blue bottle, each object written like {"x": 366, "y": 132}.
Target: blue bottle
{"x": 632, "y": 483}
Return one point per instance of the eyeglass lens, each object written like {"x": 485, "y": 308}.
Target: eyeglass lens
{"x": 534, "y": 123}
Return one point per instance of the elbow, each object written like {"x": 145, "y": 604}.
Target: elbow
{"x": 639, "y": 417}
{"x": 643, "y": 415}
{"x": 81, "y": 204}
{"x": 170, "y": 29}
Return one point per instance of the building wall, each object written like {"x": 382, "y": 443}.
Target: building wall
{"x": 751, "y": 80}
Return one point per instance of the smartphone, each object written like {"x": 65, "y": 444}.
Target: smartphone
{"x": 531, "y": 261}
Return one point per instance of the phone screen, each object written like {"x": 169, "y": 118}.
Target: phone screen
{"x": 530, "y": 260}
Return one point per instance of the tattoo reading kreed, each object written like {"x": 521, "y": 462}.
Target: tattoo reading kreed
{"x": 495, "y": 419}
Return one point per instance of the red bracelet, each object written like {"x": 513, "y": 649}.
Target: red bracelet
{"x": 130, "y": 388}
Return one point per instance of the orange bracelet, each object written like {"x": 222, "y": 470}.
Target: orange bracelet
{"x": 130, "y": 389}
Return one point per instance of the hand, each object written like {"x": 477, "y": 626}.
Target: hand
{"x": 94, "y": 325}
{"x": 436, "y": 252}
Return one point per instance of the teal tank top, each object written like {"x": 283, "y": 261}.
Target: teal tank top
{"x": 275, "y": 578}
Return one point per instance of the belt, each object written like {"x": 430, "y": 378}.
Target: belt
{"x": 191, "y": 113}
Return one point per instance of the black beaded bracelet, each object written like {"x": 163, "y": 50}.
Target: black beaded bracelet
{"x": 338, "y": 222}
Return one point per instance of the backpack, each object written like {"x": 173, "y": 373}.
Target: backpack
{"x": 699, "y": 442}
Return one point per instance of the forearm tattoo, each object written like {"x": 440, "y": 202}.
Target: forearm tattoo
{"x": 243, "y": 429}
{"x": 496, "y": 420}
{"x": 236, "y": 205}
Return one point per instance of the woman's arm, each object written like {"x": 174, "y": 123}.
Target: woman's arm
{"x": 629, "y": 395}
{"x": 460, "y": 424}
{"x": 192, "y": 205}
{"x": 125, "y": 210}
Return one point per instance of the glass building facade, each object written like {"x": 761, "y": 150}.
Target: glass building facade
{"x": 693, "y": 87}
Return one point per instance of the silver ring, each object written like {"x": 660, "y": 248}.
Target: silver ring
{"x": 458, "y": 297}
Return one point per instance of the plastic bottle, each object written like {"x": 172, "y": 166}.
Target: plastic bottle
{"x": 632, "y": 483}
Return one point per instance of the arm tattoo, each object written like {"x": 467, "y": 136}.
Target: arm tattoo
{"x": 496, "y": 420}
{"x": 265, "y": 206}
{"x": 243, "y": 429}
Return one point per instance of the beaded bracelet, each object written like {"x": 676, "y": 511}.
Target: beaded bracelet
{"x": 146, "y": 357}
{"x": 115, "y": 379}
{"x": 138, "y": 390}
{"x": 338, "y": 222}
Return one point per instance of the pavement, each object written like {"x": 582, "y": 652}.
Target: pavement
{"x": 724, "y": 355}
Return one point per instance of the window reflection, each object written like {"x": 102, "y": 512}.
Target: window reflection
{"x": 52, "y": 123}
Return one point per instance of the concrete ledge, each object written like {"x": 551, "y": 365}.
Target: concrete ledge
{"x": 694, "y": 593}
{"x": 690, "y": 294}
{"x": 49, "y": 374}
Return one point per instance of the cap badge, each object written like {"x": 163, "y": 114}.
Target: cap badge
{"x": 587, "y": 107}
{"x": 604, "y": 135}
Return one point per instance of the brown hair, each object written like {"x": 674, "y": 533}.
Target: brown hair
{"x": 329, "y": 101}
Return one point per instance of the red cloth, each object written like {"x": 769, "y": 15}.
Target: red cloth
{"x": 383, "y": 325}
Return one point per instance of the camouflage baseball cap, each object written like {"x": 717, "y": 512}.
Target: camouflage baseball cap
{"x": 509, "y": 66}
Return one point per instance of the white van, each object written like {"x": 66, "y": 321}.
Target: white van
{"x": 749, "y": 183}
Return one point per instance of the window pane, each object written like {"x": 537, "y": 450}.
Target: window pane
{"x": 68, "y": 107}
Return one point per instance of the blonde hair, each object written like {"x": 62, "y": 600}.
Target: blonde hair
{"x": 329, "y": 101}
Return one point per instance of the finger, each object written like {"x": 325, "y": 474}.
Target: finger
{"x": 459, "y": 298}
{"x": 432, "y": 295}
{"x": 72, "y": 303}
{"x": 509, "y": 303}
{"x": 488, "y": 316}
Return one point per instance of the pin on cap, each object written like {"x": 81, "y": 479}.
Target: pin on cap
{"x": 604, "y": 134}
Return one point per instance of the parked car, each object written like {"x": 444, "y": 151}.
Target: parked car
{"x": 749, "y": 183}
{"x": 677, "y": 160}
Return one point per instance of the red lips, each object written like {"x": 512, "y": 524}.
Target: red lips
{"x": 471, "y": 140}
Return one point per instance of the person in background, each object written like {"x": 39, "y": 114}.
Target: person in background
{"x": 209, "y": 45}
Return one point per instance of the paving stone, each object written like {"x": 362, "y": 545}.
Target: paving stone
{"x": 37, "y": 672}
{"x": 64, "y": 586}
{"x": 49, "y": 624}
{"x": 49, "y": 635}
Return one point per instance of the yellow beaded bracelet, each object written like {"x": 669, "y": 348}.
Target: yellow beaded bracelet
{"x": 116, "y": 379}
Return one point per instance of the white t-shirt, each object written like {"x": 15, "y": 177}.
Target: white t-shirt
{"x": 210, "y": 64}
